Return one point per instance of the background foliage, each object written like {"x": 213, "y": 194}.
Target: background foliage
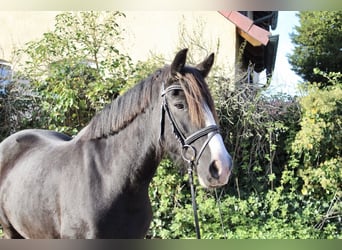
{"x": 286, "y": 181}
{"x": 318, "y": 43}
{"x": 77, "y": 68}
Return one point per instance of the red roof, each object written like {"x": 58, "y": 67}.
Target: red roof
{"x": 246, "y": 25}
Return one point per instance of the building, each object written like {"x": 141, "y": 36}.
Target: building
{"x": 163, "y": 32}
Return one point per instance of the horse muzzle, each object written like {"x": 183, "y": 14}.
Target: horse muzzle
{"x": 221, "y": 165}
{"x": 219, "y": 172}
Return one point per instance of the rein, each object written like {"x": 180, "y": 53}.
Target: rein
{"x": 193, "y": 158}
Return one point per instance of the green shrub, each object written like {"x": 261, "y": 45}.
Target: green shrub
{"x": 319, "y": 142}
{"x": 77, "y": 68}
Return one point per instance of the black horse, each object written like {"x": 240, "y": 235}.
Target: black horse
{"x": 95, "y": 185}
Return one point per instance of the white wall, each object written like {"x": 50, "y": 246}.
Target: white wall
{"x": 20, "y": 27}
{"x": 145, "y": 32}
{"x": 158, "y": 32}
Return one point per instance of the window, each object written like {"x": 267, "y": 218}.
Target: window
{"x": 5, "y": 75}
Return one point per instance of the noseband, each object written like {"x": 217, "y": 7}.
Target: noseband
{"x": 186, "y": 143}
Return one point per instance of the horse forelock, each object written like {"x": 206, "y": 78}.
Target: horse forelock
{"x": 197, "y": 94}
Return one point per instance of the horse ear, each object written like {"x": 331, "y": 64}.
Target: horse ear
{"x": 205, "y": 66}
{"x": 178, "y": 62}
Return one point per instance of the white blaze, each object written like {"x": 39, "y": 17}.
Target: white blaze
{"x": 217, "y": 149}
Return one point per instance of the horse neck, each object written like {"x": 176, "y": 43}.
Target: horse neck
{"x": 133, "y": 152}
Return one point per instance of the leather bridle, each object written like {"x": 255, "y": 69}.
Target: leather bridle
{"x": 186, "y": 143}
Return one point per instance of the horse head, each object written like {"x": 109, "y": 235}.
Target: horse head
{"x": 192, "y": 131}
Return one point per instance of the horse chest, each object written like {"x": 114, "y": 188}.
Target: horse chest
{"x": 128, "y": 217}
{"x": 125, "y": 216}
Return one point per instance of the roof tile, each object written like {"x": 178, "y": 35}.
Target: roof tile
{"x": 246, "y": 24}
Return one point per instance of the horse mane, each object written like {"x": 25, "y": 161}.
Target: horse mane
{"x": 125, "y": 108}
{"x": 121, "y": 111}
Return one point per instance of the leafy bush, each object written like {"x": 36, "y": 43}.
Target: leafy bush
{"x": 77, "y": 68}
{"x": 19, "y": 109}
{"x": 319, "y": 142}
{"x": 256, "y": 129}
{"x": 274, "y": 214}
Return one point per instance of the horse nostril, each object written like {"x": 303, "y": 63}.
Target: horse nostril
{"x": 214, "y": 171}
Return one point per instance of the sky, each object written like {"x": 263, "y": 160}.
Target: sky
{"x": 284, "y": 79}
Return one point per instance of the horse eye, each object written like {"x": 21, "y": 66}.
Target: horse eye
{"x": 179, "y": 105}
{"x": 175, "y": 92}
